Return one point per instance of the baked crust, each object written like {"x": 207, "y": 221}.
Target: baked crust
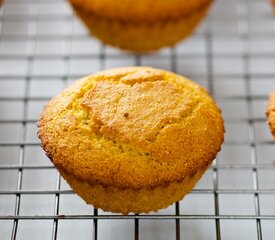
{"x": 146, "y": 11}
{"x": 270, "y": 112}
{"x": 131, "y": 128}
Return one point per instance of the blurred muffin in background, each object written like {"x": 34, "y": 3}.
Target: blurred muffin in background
{"x": 141, "y": 26}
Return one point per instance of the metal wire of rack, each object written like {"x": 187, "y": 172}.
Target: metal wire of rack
{"x": 43, "y": 48}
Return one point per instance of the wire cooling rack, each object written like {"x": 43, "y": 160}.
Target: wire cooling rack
{"x": 43, "y": 48}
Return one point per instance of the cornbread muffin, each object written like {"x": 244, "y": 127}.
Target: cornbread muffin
{"x": 132, "y": 139}
{"x": 141, "y": 26}
{"x": 270, "y": 112}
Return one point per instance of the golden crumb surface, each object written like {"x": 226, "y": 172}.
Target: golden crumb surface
{"x": 270, "y": 112}
{"x": 141, "y": 26}
{"x": 132, "y": 128}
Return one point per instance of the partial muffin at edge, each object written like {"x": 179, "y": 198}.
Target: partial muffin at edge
{"x": 270, "y": 112}
{"x": 272, "y": 2}
{"x": 138, "y": 136}
{"x": 142, "y": 35}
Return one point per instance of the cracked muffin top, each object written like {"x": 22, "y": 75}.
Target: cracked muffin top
{"x": 131, "y": 127}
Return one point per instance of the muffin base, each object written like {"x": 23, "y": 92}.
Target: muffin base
{"x": 141, "y": 37}
{"x": 140, "y": 11}
{"x": 128, "y": 200}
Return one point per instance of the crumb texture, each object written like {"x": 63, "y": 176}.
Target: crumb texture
{"x": 132, "y": 128}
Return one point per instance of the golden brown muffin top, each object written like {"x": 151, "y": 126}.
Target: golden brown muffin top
{"x": 131, "y": 127}
{"x": 140, "y": 11}
{"x": 270, "y": 112}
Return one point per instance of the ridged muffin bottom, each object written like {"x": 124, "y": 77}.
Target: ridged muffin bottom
{"x": 141, "y": 37}
{"x": 129, "y": 200}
